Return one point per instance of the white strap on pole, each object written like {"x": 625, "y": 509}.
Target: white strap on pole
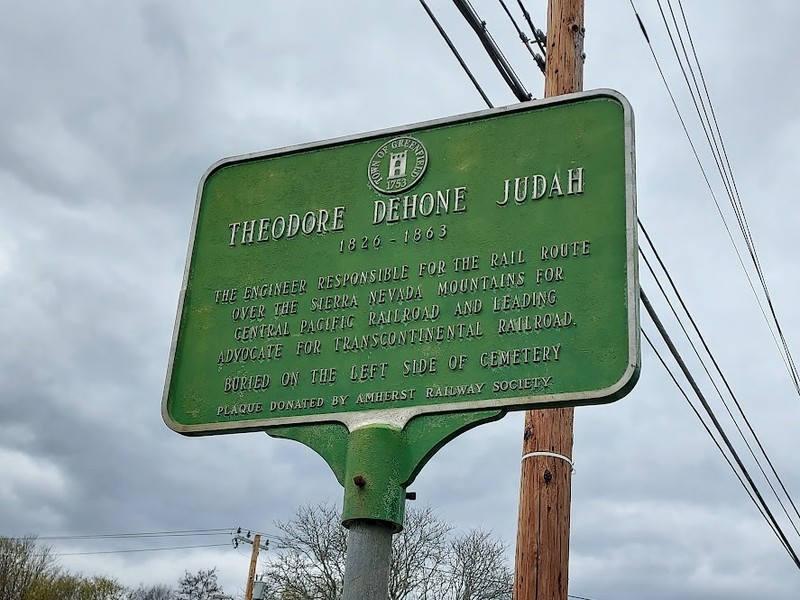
{"x": 550, "y": 454}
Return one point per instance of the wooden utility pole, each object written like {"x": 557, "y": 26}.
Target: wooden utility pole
{"x": 542, "y": 560}
{"x": 248, "y": 594}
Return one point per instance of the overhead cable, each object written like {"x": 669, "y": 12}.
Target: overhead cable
{"x": 733, "y": 453}
{"x": 525, "y": 39}
{"x": 742, "y": 473}
{"x": 131, "y": 550}
{"x": 452, "y": 47}
{"x": 724, "y": 379}
{"x": 710, "y": 433}
{"x": 538, "y": 36}
{"x": 139, "y": 535}
{"x": 716, "y": 144}
{"x": 727, "y": 407}
{"x": 497, "y": 57}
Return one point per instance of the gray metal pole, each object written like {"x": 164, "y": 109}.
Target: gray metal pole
{"x": 369, "y": 551}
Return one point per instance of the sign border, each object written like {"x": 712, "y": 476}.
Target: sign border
{"x": 399, "y": 417}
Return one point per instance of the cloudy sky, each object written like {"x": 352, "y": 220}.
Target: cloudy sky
{"x": 110, "y": 114}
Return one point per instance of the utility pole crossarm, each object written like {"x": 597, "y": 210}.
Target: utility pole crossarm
{"x": 240, "y": 538}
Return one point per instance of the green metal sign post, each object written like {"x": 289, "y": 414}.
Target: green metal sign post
{"x": 374, "y": 296}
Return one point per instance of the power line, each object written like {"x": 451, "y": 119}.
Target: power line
{"x": 786, "y": 355}
{"x": 228, "y": 531}
{"x": 742, "y": 473}
{"x": 132, "y": 550}
{"x": 454, "y": 50}
{"x": 524, "y": 38}
{"x": 717, "y": 146}
{"x": 718, "y": 150}
{"x": 149, "y": 534}
{"x": 724, "y": 380}
{"x": 496, "y": 56}
{"x": 735, "y": 455}
{"x": 714, "y": 115}
{"x": 710, "y": 433}
{"x": 536, "y": 32}
{"x": 754, "y": 494}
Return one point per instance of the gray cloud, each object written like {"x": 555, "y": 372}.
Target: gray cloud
{"x": 111, "y": 114}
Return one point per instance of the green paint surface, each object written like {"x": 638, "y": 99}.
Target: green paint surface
{"x": 473, "y": 313}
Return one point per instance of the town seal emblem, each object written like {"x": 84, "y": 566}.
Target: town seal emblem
{"x": 397, "y": 165}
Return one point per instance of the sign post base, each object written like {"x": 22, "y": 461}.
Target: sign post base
{"x": 376, "y": 463}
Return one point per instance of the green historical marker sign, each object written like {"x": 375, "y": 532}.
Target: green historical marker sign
{"x": 485, "y": 261}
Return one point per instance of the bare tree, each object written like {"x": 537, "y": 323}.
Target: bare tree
{"x": 29, "y": 571}
{"x": 23, "y": 567}
{"x": 428, "y": 563}
{"x": 478, "y": 569}
{"x": 311, "y": 551}
{"x": 152, "y": 592}
{"x": 198, "y": 586}
{"x": 419, "y": 553}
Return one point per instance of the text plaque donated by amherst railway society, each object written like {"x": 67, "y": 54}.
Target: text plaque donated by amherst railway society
{"x": 483, "y": 261}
